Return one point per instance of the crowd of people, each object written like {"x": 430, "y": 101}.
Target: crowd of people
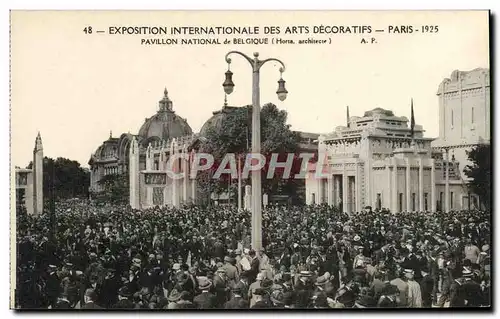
{"x": 112, "y": 257}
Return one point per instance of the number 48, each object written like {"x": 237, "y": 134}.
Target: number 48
{"x": 88, "y": 30}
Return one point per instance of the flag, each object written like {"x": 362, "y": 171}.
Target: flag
{"x": 347, "y": 117}
{"x": 412, "y": 125}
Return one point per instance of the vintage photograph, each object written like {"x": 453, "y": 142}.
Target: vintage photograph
{"x": 166, "y": 160}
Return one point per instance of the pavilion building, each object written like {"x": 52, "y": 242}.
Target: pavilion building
{"x": 376, "y": 161}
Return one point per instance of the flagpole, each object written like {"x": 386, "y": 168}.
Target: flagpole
{"x": 347, "y": 117}
{"x": 412, "y": 126}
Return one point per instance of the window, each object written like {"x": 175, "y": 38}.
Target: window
{"x": 379, "y": 201}
{"x": 413, "y": 202}
{"x": 451, "y": 200}
{"x": 400, "y": 202}
{"x": 472, "y": 116}
{"x": 426, "y": 205}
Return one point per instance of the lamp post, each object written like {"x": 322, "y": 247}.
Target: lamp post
{"x": 228, "y": 85}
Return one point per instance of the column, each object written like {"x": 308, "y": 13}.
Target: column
{"x": 357, "y": 189}
{"x": 337, "y": 181}
{"x": 394, "y": 200}
{"x": 91, "y": 179}
{"x": 149, "y": 167}
{"x": 133, "y": 171}
{"x": 433, "y": 186}
{"x": 447, "y": 183}
{"x": 185, "y": 176}
{"x": 487, "y": 108}
{"x": 193, "y": 191}
{"x": 421, "y": 184}
{"x": 388, "y": 195}
{"x": 408, "y": 189}
{"x": 193, "y": 182}
{"x": 368, "y": 182}
{"x": 345, "y": 188}
{"x": 330, "y": 190}
{"x": 320, "y": 189}
{"x": 173, "y": 167}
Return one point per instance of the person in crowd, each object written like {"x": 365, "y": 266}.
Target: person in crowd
{"x": 90, "y": 300}
{"x": 237, "y": 300}
{"x": 113, "y": 257}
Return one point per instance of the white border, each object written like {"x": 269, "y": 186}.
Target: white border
{"x": 189, "y": 5}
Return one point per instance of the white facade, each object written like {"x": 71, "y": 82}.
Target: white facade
{"x": 151, "y": 185}
{"x": 29, "y": 182}
{"x": 375, "y": 162}
{"x": 464, "y": 114}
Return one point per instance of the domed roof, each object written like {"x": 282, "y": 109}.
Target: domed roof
{"x": 165, "y": 124}
{"x": 217, "y": 118}
{"x": 378, "y": 110}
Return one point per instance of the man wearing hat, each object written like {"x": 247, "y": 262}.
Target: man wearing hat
{"x": 253, "y": 287}
{"x": 205, "y": 300}
{"x": 245, "y": 286}
{"x": 53, "y": 285}
{"x": 237, "y": 301}
{"x": 173, "y": 298}
{"x": 321, "y": 282}
{"x": 471, "y": 251}
{"x": 108, "y": 294}
{"x": 184, "y": 283}
{"x": 63, "y": 302}
{"x": 277, "y": 299}
{"x": 414, "y": 291}
{"x": 90, "y": 298}
{"x": 184, "y": 301}
{"x": 123, "y": 299}
{"x": 136, "y": 278}
{"x": 467, "y": 292}
{"x": 237, "y": 259}
{"x": 231, "y": 271}
{"x": 287, "y": 283}
{"x": 402, "y": 287}
{"x": 254, "y": 266}
{"x": 221, "y": 286}
{"x": 261, "y": 297}
{"x": 389, "y": 298}
{"x": 365, "y": 299}
{"x": 304, "y": 288}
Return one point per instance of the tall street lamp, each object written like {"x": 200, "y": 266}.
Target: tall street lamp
{"x": 228, "y": 85}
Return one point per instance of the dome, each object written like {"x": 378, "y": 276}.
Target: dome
{"x": 217, "y": 118}
{"x": 378, "y": 110}
{"x": 165, "y": 124}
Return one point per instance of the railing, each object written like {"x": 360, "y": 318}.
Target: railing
{"x": 180, "y": 142}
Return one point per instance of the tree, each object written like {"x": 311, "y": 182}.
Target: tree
{"x": 115, "y": 188}
{"x": 233, "y": 135}
{"x": 480, "y": 172}
{"x": 67, "y": 177}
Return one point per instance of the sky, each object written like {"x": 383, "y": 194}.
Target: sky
{"x": 74, "y": 88}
